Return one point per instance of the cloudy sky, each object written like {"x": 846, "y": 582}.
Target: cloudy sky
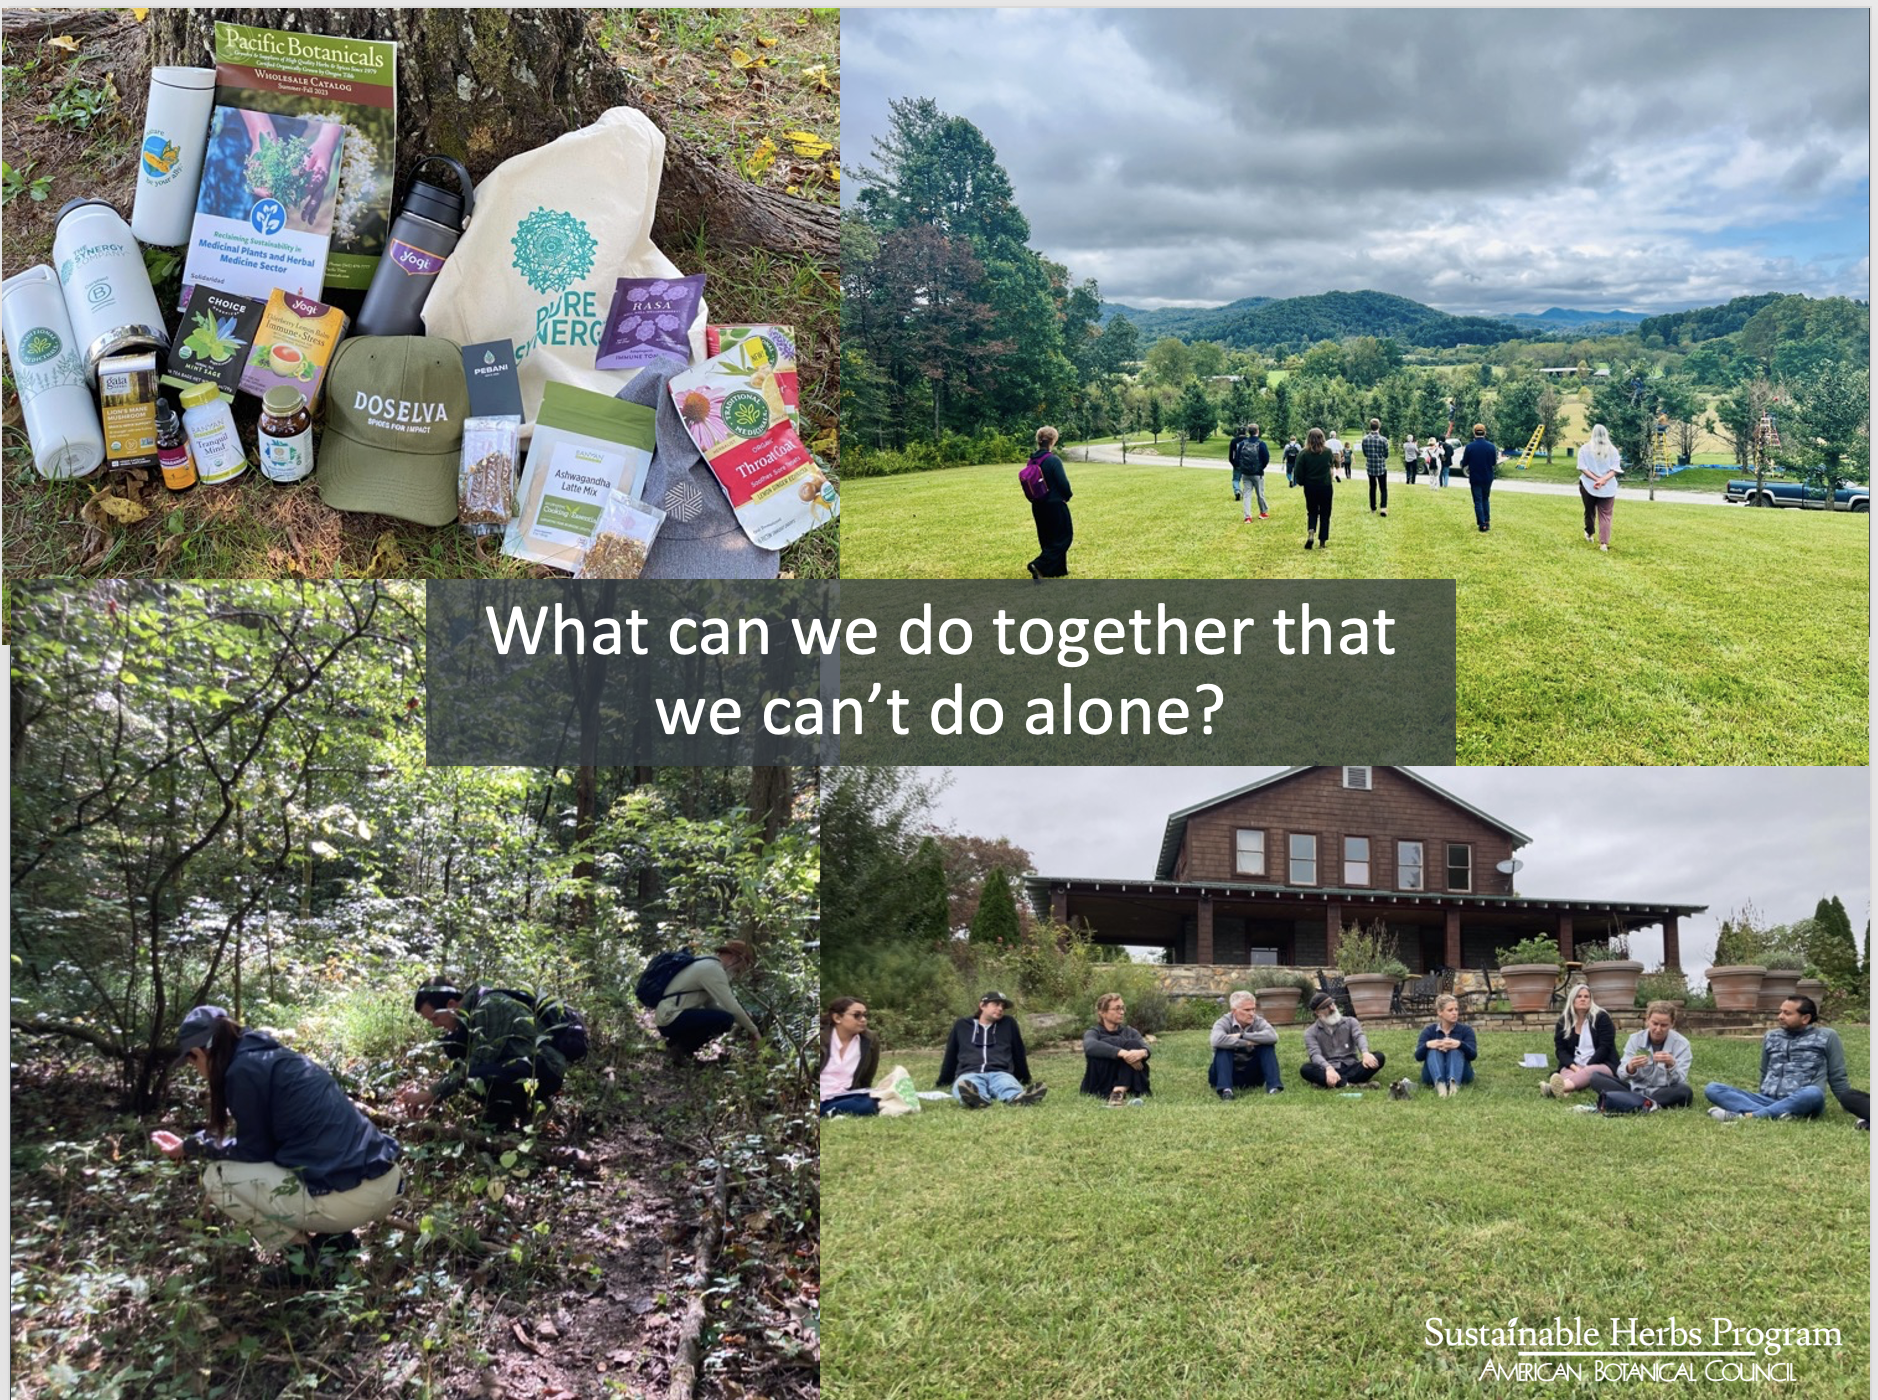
{"x": 1780, "y": 837}
{"x": 1474, "y": 160}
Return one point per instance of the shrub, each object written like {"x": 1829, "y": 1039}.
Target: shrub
{"x": 1529, "y": 950}
{"x": 1284, "y": 977}
{"x": 1613, "y": 949}
{"x": 915, "y": 995}
{"x": 1662, "y": 986}
{"x": 1782, "y": 960}
{"x": 1369, "y": 949}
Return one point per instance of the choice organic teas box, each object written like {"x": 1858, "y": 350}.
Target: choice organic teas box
{"x": 215, "y": 339}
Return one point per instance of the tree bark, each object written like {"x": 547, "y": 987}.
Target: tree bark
{"x": 486, "y": 84}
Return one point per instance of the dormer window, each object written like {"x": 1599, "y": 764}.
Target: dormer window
{"x": 1356, "y": 779}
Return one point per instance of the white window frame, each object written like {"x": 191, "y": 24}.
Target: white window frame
{"x": 1420, "y": 867}
{"x": 1239, "y": 852}
{"x": 1293, "y": 859}
{"x": 1468, "y": 851}
{"x": 1359, "y": 779}
{"x": 1348, "y": 880}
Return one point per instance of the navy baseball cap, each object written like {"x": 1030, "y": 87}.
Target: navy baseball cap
{"x": 197, "y": 1030}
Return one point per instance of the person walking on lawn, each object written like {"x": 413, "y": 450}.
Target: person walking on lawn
{"x": 1376, "y": 454}
{"x": 1800, "y": 1060}
{"x": 1653, "y": 1071}
{"x": 1447, "y": 1048}
{"x": 985, "y": 1060}
{"x": 1249, "y": 470}
{"x": 1115, "y": 1053}
{"x": 1584, "y": 1040}
{"x": 1055, "y": 530}
{"x": 1339, "y": 1050}
{"x": 1480, "y": 458}
{"x": 1292, "y": 449}
{"x": 1411, "y": 457}
{"x": 1317, "y": 474}
{"x": 1245, "y": 1049}
{"x": 1598, "y": 470}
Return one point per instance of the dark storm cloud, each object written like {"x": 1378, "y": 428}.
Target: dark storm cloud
{"x": 1473, "y": 159}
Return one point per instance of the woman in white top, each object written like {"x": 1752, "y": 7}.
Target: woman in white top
{"x": 1598, "y": 471}
{"x": 849, "y": 1059}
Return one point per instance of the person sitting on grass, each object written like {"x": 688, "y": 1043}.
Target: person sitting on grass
{"x": 850, "y": 1058}
{"x": 1245, "y": 1049}
{"x": 499, "y": 1049}
{"x": 1446, "y": 1048}
{"x": 1653, "y": 1072}
{"x": 1800, "y": 1059}
{"x": 1115, "y": 1053}
{"x": 1585, "y": 1042}
{"x": 1856, "y": 1102}
{"x": 985, "y": 1060}
{"x": 1339, "y": 1050}
{"x": 306, "y": 1168}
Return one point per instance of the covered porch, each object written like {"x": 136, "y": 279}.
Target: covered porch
{"x": 1225, "y": 924}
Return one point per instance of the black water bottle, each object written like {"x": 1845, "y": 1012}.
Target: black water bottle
{"x": 423, "y": 236}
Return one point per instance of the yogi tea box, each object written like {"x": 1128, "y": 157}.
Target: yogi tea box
{"x": 293, "y": 345}
{"x": 733, "y": 407}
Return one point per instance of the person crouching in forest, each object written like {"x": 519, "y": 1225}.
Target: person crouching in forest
{"x": 1117, "y": 1054}
{"x": 850, "y": 1058}
{"x": 698, "y": 1005}
{"x": 1055, "y": 530}
{"x": 498, "y": 1047}
{"x": 305, "y": 1168}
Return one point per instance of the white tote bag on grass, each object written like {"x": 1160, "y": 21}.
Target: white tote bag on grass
{"x": 554, "y": 230}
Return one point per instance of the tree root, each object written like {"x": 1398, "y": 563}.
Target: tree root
{"x": 691, "y": 1331}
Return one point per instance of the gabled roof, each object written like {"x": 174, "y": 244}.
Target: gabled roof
{"x": 1177, "y": 823}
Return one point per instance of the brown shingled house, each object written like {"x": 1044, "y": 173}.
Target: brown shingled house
{"x": 1269, "y": 873}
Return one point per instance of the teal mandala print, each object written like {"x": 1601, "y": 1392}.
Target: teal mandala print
{"x": 552, "y": 250}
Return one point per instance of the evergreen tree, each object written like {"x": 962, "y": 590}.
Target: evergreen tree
{"x": 1156, "y": 419}
{"x": 1197, "y": 416}
{"x": 1832, "y": 948}
{"x": 996, "y": 919}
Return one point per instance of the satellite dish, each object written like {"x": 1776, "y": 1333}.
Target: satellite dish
{"x": 1508, "y": 867}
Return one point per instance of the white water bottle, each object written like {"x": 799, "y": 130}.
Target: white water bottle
{"x": 51, "y": 375}
{"x": 107, "y": 288}
{"x": 169, "y": 163}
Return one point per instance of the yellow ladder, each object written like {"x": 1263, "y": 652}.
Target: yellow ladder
{"x": 1659, "y": 454}
{"x": 1532, "y": 446}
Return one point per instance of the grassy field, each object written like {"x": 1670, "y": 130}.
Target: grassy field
{"x": 729, "y": 82}
{"x": 1706, "y": 635}
{"x": 1296, "y": 1245}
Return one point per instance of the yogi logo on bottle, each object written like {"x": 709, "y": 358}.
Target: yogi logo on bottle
{"x": 553, "y": 250}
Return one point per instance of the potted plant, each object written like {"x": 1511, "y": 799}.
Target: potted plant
{"x": 1279, "y": 992}
{"x": 1371, "y": 969}
{"x": 1661, "y": 985}
{"x": 1812, "y": 986}
{"x": 1781, "y": 980}
{"x": 1530, "y": 970}
{"x": 1612, "y": 973}
{"x": 1736, "y": 987}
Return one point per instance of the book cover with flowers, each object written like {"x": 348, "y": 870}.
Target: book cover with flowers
{"x": 734, "y": 409}
{"x": 353, "y": 82}
{"x": 264, "y": 214}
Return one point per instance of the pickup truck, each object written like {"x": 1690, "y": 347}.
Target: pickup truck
{"x": 1792, "y": 493}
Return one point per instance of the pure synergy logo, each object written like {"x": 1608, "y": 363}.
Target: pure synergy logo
{"x": 553, "y": 250}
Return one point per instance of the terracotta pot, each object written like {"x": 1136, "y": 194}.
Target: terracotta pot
{"x": 1279, "y": 1005}
{"x": 1814, "y": 988}
{"x": 1736, "y": 988}
{"x": 1613, "y": 984}
{"x": 1529, "y": 985}
{"x": 1777, "y": 985}
{"x": 1370, "y": 993}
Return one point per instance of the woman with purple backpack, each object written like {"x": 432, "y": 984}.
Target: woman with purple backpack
{"x": 1050, "y": 510}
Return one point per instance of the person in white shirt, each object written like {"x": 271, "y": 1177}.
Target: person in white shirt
{"x": 850, "y": 1058}
{"x": 1598, "y": 470}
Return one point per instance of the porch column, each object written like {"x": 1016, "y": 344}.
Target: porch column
{"x": 1672, "y": 949}
{"x": 1565, "y": 936}
{"x": 1454, "y": 938}
{"x": 1333, "y": 930}
{"x": 1059, "y": 905}
{"x": 1204, "y": 952}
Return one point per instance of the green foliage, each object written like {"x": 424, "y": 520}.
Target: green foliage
{"x": 19, "y": 179}
{"x": 1276, "y": 977}
{"x": 1528, "y": 950}
{"x": 1662, "y": 986}
{"x": 1369, "y": 949}
{"x": 1828, "y": 438}
{"x": 78, "y": 105}
{"x": 1616, "y": 948}
{"x": 1196, "y": 415}
{"x": 1832, "y": 949}
{"x": 996, "y": 919}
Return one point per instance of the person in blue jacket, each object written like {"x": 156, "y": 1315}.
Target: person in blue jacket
{"x": 305, "y": 1166}
{"x": 1446, "y": 1049}
{"x": 1480, "y": 459}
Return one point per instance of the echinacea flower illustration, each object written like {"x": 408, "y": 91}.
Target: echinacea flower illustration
{"x": 703, "y": 412}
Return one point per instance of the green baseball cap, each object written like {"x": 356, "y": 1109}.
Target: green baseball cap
{"x": 395, "y": 407}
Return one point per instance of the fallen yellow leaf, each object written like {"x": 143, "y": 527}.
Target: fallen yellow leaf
{"x": 120, "y": 509}
{"x": 792, "y": 189}
{"x": 761, "y": 158}
{"x": 834, "y": 174}
{"x": 65, "y": 42}
{"x": 766, "y": 43}
{"x": 808, "y": 144}
{"x": 741, "y": 59}
{"x": 817, "y": 78}
{"x": 387, "y": 559}
{"x": 140, "y": 14}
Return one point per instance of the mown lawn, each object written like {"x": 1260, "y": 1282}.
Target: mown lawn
{"x": 1296, "y": 1245}
{"x": 1712, "y": 635}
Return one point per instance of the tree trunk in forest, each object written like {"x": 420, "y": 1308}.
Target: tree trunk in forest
{"x": 770, "y": 798}
{"x": 485, "y": 84}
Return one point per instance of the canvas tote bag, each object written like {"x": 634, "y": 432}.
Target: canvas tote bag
{"x": 555, "y": 229}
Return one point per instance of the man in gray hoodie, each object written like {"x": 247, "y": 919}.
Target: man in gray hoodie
{"x": 1245, "y": 1049}
{"x": 1340, "y": 1052}
{"x": 1799, "y": 1059}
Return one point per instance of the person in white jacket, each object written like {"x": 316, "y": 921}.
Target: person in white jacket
{"x": 1598, "y": 469}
